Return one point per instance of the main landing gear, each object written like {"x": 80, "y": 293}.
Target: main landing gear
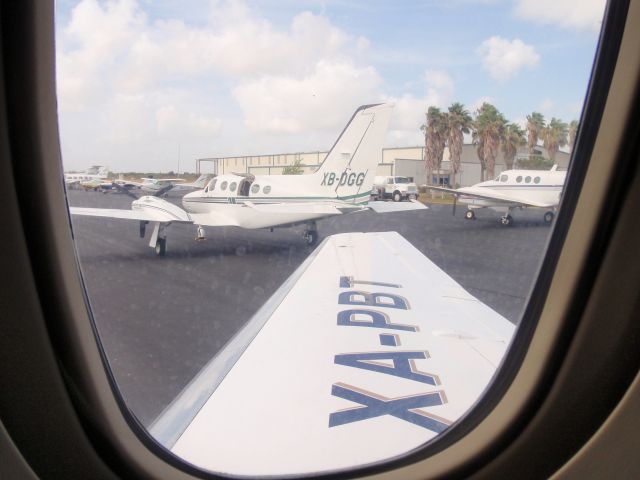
{"x": 548, "y": 216}
{"x": 161, "y": 247}
{"x": 470, "y": 215}
{"x": 158, "y": 240}
{"x": 506, "y": 220}
{"x": 310, "y": 235}
{"x": 200, "y": 234}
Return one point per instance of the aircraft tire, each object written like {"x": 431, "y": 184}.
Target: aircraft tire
{"x": 161, "y": 247}
{"x": 507, "y": 220}
{"x": 470, "y": 215}
{"x": 311, "y": 237}
{"x": 397, "y": 196}
{"x": 548, "y": 217}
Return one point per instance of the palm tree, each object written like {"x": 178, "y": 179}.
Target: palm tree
{"x": 434, "y": 141}
{"x": 555, "y": 136}
{"x": 489, "y": 129}
{"x": 573, "y": 131}
{"x": 477, "y": 141}
{"x": 535, "y": 124}
{"x": 459, "y": 122}
{"x": 512, "y": 140}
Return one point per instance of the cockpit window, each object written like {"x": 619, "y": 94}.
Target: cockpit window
{"x": 212, "y": 184}
{"x": 504, "y": 178}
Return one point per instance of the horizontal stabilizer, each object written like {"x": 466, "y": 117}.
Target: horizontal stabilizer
{"x": 293, "y": 208}
{"x": 387, "y": 207}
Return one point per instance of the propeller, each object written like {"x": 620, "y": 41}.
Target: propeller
{"x": 126, "y": 191}
{"x": 163, "y": 190}
{"x": 123, "y": 189}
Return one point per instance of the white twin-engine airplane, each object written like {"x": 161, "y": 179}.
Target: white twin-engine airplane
{"x": 513, "y": 189}
{"x": 342, "y": 184}
{"x": 391, "y": 354}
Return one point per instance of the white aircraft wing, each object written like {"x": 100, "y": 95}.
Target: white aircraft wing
{"x": 366, "y": 352}
{"x": 151, "y": 209}
{"x": 294, "y": 208}
{"x": 492, "y": 194}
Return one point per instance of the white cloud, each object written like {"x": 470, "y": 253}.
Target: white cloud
{"x": 182, "y": 124}
{"x": 319, "y": 100}
{"x": 409, "y": 112}
{"x": 503, "y": 59}
{"x": 129, "y": 85}
{"x": 479, "y": 101}
{"x": 575, "y": 14}
{"x": 546, "y": 106}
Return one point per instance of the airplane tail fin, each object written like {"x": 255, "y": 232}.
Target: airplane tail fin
{"x": 349, "y": 169}
{"x": 201, "y": 181}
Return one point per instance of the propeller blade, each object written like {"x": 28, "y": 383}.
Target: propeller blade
{"x": 125, "y": 190}
{"x": 163, "y": 190}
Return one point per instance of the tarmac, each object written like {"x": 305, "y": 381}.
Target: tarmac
{"x": 161, "y": 319}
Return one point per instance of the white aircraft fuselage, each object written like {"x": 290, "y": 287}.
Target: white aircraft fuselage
{"x": 536, "y": 186}
{"x": 238, "y": 200}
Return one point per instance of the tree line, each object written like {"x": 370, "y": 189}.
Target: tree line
{"x": 490, "y": 131}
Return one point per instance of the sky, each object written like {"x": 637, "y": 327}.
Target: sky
{"x": 151, "y": 86}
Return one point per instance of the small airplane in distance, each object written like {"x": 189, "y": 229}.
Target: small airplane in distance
{"x": 154, "y": 185}
{"x": 342, "y": 184}
{"x": 510, "y": 190}
{"x": 96, "y": 172}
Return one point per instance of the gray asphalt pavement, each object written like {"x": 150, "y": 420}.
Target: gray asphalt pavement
{"x": 161, "y": 319}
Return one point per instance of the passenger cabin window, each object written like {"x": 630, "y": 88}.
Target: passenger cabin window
{"x": 308, "y": 336}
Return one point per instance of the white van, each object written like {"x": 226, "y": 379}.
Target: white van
{"x": 396, "y": 188}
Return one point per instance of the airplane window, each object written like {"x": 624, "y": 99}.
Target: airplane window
{"x": 315, "y": 298}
